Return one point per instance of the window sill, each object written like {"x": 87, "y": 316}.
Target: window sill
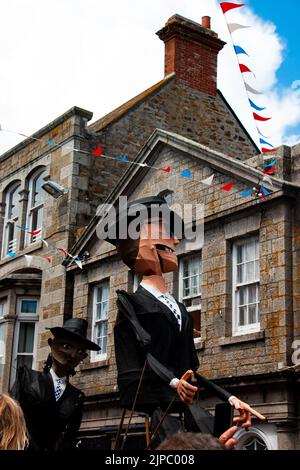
{"x": 244, "y": 338}
{"x": 199, "y": 344}
{"x": 33, "y": 247}
{"x": 94, "y": 365}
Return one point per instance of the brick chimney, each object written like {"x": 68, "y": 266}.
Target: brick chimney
{"x": 191, "y": 50}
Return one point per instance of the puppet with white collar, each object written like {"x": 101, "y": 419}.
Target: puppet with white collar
{"x": 154, "y": 346}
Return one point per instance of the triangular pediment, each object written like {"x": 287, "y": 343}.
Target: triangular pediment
{"x": 145, "y": 177}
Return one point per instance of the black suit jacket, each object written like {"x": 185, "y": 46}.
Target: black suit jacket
{"x": 175, "y": 349}
{"x": 46, "y": 419}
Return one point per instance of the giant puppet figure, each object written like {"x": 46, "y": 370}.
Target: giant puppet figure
{"x": 154, "y": 344}
{"x": 51, "y": 405}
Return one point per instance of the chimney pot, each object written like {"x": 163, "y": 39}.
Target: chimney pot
{"x": 206, "y": 22}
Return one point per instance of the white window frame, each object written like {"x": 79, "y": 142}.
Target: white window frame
{"x": 32, "y": 209}
{"x": 238, "y": 330}
{"x": 9, "y": 246}
{"x": 3, "y": 302}
{"x": 98, "y": 355}
{"x": 195, "y": 307}
{"x": 24, "y": 318}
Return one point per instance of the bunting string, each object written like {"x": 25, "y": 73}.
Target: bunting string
{"x": 232, "y": 27}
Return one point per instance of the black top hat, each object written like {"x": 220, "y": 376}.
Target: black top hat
{"x": 75, "y": 328}
{"x": 133, "y": 210}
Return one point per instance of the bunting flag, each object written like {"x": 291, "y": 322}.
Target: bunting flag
{"x": 263, "y": 194}
{"x": 260, "y": 133}
{"x": 268, "y": 179}
{"x": 270, "y": 171}
{"x": 264, "y": 190}
{"x": 166, "y": 170}
{"x": 264, "y": 150}
{"x": 245, "y": 69}
{"x": 235, "y": 26}
{"x": 22, "y": 228}
{"x": 35, "y": 232}
{"x": 124, "y": 158}
{"x": 240, "y": 50}
{"x": 48, "y": 258}
{"x": 98, "y": 151}
{"x": 257, "y": 117}
{"x": 227, "y": 6}
{"x": 228, "y": 186}
{"x": 268, "y": 165}
{"x": 78, "y": 262}
{"x": 63, "y": 251}
{"x": 252, "y": 90}
{"x": 46, "y": 243}
{"x": 186, "y": 174}
{"x": 262, "y": 141}
{"x": 253, "y": 105}
{"x": 246, "y": 193}
{"x": 12, "y": 254}
{"x": 208, "y": 181}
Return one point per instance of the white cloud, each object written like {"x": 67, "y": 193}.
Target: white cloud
{"x": 61, "y": 53}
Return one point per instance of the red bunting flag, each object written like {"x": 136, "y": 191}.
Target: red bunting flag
{"x": 167, "y": 169}
{"x": 263, "y": 194}
{"x": 257, "y": 117}
{"x": 228, "y": 186}
{"x": 48, "y": 258}
{"x": 36, "y": 232}
{"x": 64, "y": 251}
{"x": 98, "y": 151}
{"x": 226, "y": 6}
{"x": 264, "y": 150}
{"x": 270, "y": 171}
{"x": 244, "y": 68}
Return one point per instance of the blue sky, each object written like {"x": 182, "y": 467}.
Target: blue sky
{"x": 286, "y": 16}
{"x": 57, "y": 54}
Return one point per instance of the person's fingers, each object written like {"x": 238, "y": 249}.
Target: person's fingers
{"x": 189, "y": 387}
{"x": 228, "y": 434}
{"x": 187, "y": 375}
{"x": 256, "y": 413}
{"x": 231, "y": 443}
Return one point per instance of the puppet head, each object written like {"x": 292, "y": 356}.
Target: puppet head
{"x": 152, "y": 251}
{"x": 69, "y": 345}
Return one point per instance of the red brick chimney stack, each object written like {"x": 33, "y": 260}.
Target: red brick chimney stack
{"x": 191, "y": 50}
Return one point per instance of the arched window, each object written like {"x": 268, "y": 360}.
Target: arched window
{"x": 35, "y": 205}
{"x": 254, "y": 443}
{"x": 11, "y": 199}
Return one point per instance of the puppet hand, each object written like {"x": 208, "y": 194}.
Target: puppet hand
{"x": 185, "y": 390}
{"x": 227, "y": 437}
{"x": 245, "y": 413}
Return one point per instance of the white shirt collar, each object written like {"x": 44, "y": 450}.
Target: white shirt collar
{"x": 156, "y": 292}
{"x": 55, "y": 377}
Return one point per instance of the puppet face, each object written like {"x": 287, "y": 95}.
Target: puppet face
{"x": 156, "y": 249}
{"x": 66, "y": 352}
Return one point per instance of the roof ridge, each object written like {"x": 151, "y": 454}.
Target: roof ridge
{"x": 118, "y": 112}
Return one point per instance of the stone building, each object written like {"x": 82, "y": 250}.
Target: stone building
{"x": 241, "y": 288}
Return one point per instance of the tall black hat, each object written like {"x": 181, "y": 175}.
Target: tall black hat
{"x": 151, "y": 205}
{"x": 75, "y": 328}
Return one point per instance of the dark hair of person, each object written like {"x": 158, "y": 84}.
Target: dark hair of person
{"x": 191, "y": 441}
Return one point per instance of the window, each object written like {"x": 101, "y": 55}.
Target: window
{"x": 254, "y": 443}
{"x": 246, "y": 286}
{"x": 35, "y": 205}
{"x": 190, "y": 280}
{"x": 11, "y": 219}
{"x": 100, "y": 319}
{"x": 25, "y": 334}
